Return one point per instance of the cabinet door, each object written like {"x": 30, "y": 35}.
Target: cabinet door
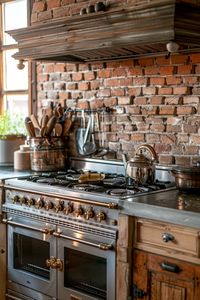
{"x": 158, "y": 277}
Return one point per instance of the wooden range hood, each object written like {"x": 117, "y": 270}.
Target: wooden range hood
{"x": 131, "y": 32}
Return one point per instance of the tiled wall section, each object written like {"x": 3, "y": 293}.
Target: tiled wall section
{"x": 154, "y": 100}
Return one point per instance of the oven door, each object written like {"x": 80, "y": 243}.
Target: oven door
{"x": 88, "y": 266}
{"x": 30, "y": 245}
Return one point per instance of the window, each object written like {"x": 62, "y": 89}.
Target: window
{"x": 14, "y": 84}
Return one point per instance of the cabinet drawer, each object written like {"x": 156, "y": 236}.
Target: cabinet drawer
{"x": 154, "y": 236}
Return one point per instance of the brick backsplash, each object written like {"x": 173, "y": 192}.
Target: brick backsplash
{"x": 153, "y": 100}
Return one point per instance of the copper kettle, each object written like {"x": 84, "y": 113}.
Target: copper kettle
{"x": 141, "y": 167}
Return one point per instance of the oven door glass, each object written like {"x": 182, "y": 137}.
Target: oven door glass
{"x": 81, "y": 270}
{"x": 28, "y": 250}
{"x": 89, "y": 272}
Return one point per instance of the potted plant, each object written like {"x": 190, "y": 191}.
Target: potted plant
{"x": 12, "y": 135}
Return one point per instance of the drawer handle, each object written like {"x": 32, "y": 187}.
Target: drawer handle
{"x": 167, "y": 237}
{"x": 170, "y": 267}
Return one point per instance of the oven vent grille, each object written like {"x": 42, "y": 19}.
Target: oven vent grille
{"x": 96, "y": 229}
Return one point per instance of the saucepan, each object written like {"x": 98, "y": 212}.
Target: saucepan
{"x": 187, "y": 178}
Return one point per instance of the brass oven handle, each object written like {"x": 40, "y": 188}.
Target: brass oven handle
{"x": 101, "y": 246}
{"x": 54, "y": 263}
{"x": 45, "y": 230}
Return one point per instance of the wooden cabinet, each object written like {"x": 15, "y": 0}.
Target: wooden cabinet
{"x": 159, "y": 277}
{"x": 166, "y": 263}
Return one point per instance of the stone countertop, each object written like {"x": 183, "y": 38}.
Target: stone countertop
{"x": 9, "y": 172}
{"x": 170, "y": 206}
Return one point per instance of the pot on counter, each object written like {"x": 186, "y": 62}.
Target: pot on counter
{"x": 187, "y": 178}
{"x": 141, "y": 167}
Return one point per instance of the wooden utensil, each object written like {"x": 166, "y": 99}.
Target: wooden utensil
{"x": 29, "y": 127}
{"x": 50, "y": 126}
{"x": 44, "y": 122}
{"x": 67, "y": 124}
{"x": 58, "y": 129}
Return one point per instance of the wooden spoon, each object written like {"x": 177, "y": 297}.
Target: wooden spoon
{"x": 50, "y": 126}
{"x": 29, "y": 127}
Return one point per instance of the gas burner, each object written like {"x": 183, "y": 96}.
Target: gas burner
{"x": 120, "y": 192}
{"x": 88, "y": 187}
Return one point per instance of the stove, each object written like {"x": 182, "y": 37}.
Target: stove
{"x": 72, "y": 217}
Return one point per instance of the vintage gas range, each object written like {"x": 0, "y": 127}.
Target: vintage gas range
{"x": 62, "y": 233}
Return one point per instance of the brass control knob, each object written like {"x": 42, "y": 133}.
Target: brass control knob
{"x": 22, "y": 200}
{"x": 89, "y": 213}
{"x": 15, "y": 199}
{"x": 101, "y": 216}
{"x": 59, "y": 206}
{"x": 48, "y": 205}
{"x": 30, "y": 202}
{"x": 39, "y": 203}
{"x": 68, "y": 209}
{"x": 79, "y": 211}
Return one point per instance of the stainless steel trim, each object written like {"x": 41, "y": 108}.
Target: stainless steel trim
{"x": 109, "y": 205}
{"x": 45, "y": 230}
{"x": 102, "y": 246}
{"x": 12, "y": 297}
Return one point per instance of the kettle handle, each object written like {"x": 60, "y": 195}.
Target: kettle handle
{"x": 150, "y": 150}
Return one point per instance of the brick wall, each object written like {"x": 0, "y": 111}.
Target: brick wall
{"x": 154, "y": 100}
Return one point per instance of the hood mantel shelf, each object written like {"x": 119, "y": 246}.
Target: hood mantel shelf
{"x": 116, "y": 34}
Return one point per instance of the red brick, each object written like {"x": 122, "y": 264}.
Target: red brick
{"x": 173, "y": 100}
{"x": 179, "y": 59}
{"x": 122, "y": 118}
{"x": 42, "y": 77}
{"x": 134, "y": 91}
{"x": 118, "y": 92}
{"x": 190, "y": 128}
{"x": 165, "y": 91}
{"x": 173, "y": 128}
{"x": 167, "y": 70}
{"x": 182, "y": 160}
{"x": 137, "y": 137}
{"x": 89, "y": 76}
{"x": 197, "y": 69}
{"x": 162, "y": 148}
{"x": 67, "y": 2}
{"x": 45, "y": 15}
{"x": 140, "y": 100}
{"x": 166, "y": 159}
{"x": 157, "y": 127}
{"x": 191, "y": 80}
{"x": 49, "y": 68}
{"x": 140, "y": 81}
{"x": 126, "y": 63}
{"x": 146, "y": 62}
{"x": 95, "y": 85}
{"x": 71, "y": 67}
{"x": 137, "y": 71}
{"x": 157, "y": 80}
{"x": 191, "y": 99}
{"x": 195, "y": 58}
{"x": 72, "y": 86}
{"x": 168, "y": 138}
{"x": 34, "y": 17}
{"x": 154, "y": 70}
{"x": 196, "y": 91}
{"x": 64, "y": 95}
{"x": 112, "y": 82}
{"x": 124, "y": 136}
{"x": 84, "y": 86}
{"x": 59, "y": 67}
{"x": 156, "y": 100}
{"x": 134, "y": 110}
{"x": 110, "y": 102}
{"x": 149, "y": 110}
{"x": 174, "y": 80}
{"x": 105, "y": 73}
{"x": 39, "y": 6}
{"x": 119, "y": 72}
{"x": 59, "y": 85}
{"x": 195, "y": 139}
{"x": 53, "y": 4}
{"x": 124, "y": 100}
{"x": 186, "y": 110}
{"x": 82, "y": 104}
{"x": 97, "y": 103}
{"x": 61, "y": 12}
{"x": 149, "y": 90}
{"x": 152, "y": 138}
{"x": 191, "y": 150}
{"x": 185, "y": 69}
{"x": 113, "y": 64}
{"x": 167, "y": 110}
{"x": 105, "y": 93}
{"x": 77, "y": 76}
{"x": 162, "y": 60}
{"x": 127, "y": 81}
{"x": 181, "y": 90}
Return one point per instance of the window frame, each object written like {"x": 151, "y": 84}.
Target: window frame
{"x": 32, "y": 80}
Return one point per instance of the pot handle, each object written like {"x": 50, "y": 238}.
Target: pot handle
{"x": 150, "y": 150}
